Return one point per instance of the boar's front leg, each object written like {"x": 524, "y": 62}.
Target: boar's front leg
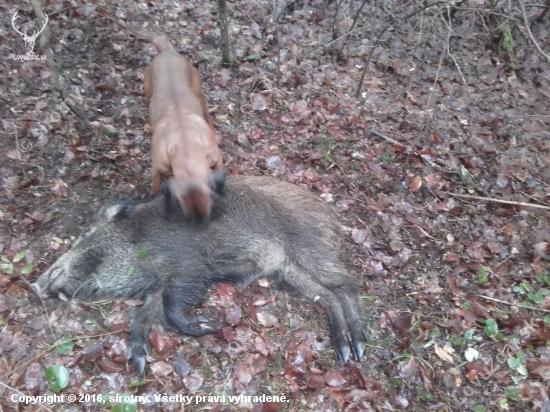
{"x": 181, "y": 294}
{"x": 150, "y": 313}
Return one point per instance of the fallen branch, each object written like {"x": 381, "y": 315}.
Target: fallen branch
{"x": 82, "y": 124}
{"x": 519, "y": 305}
{"x": 506, "y": 202}
{"x": 383, "y": 137}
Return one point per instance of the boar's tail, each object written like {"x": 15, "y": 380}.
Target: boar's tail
{"x": 161, "y": 43}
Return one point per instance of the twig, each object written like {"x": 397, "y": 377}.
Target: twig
{"x": 373, "y": 41}
{"x": 51, "y": 348}
{"x": 43, "y": 305}
{"x": 338, "y": 3}
{"x": 278, "y": 40}
{"x": 384, "y": 137}
{"x": 535, "y": 198}
{"x": 83, "y": 126}
{"x": 519, "y": 305}
{"x": 486, "y": 11}
{"x": 425, "y": 233}
{"x": 40, "y": 405}
{"x": 285, "y": 10}
{"x": 445, "y": 49}
{"x": 348, "y": 182}
{"x": 16, "y": 139}
{"x": 143, "y": 36}
{"x": 223, "y": 21}
{"x": 541, "y": 16}
{"x": 344, "y": 35}
{"x": 506, "y": 202}
{"x": 526, "y": 20}
{"x": 379, "y": 35}
{"x": 513, "y": 253}
{"x": 410, "y": 149}
{"x": 355, "y": 22}
{"x": 452, "y": 54}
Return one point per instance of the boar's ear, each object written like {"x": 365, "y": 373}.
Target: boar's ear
{"x": 217, "y": 182}
{"x": 169, "y": 207}
{"x": 119, "y": 209}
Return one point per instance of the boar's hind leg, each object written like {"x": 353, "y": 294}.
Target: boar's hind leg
{"x": 179, "y": 297}
{"x": 149, "y": 314}
{"x": 341, "y": 315}
{"x": 348, "y": 297}
{"x": 336, "y": 279}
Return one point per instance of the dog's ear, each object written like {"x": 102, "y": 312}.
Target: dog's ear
{"x": 217, "y": 182}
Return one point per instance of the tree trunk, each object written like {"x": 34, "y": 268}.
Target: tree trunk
{"x": 224, "y": 33}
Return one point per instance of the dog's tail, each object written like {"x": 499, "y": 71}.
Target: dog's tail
{"x": 161, "y": 43}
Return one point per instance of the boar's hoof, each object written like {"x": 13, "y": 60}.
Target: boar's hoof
{"x": 138, "y": 359}
{"x": 343, "y": 352}
{"x": 359, "y": 350}
{"x": 192, "y": 326}
{"x": 140, "y": 351}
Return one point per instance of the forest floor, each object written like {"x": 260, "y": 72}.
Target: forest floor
{"x": 455, "y": 289}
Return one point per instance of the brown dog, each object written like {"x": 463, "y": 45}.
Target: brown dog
{"x": 184, "y": 144}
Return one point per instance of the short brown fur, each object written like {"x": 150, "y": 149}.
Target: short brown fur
{"x": 185, "y": 145}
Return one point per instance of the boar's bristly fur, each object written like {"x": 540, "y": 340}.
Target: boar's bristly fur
{"x": 261, "y": 228}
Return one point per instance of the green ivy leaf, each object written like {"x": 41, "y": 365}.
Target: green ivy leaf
{"x": 543, "y": 278}
{"x": 513, "y": 394}
{"x": 518, "y": 289}
{"x": 7, "y": 268}
{"x": 513, "y": 363}
{"x": 469, "y": 334}
{"x": 536, "y": 297}
{"x": 27, "y": 269}
{"x": 125, "y": 406}
{"x": 18, "y": 257}
{"x": 136, "y": 384}
{"x": 491, "y": 327}
{"x": 58, "y": 377}
{"x": 66, "y": 345}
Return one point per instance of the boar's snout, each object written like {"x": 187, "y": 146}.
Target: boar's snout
{"x": 48, "y": 283}
{"x": 38, "y": 290}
